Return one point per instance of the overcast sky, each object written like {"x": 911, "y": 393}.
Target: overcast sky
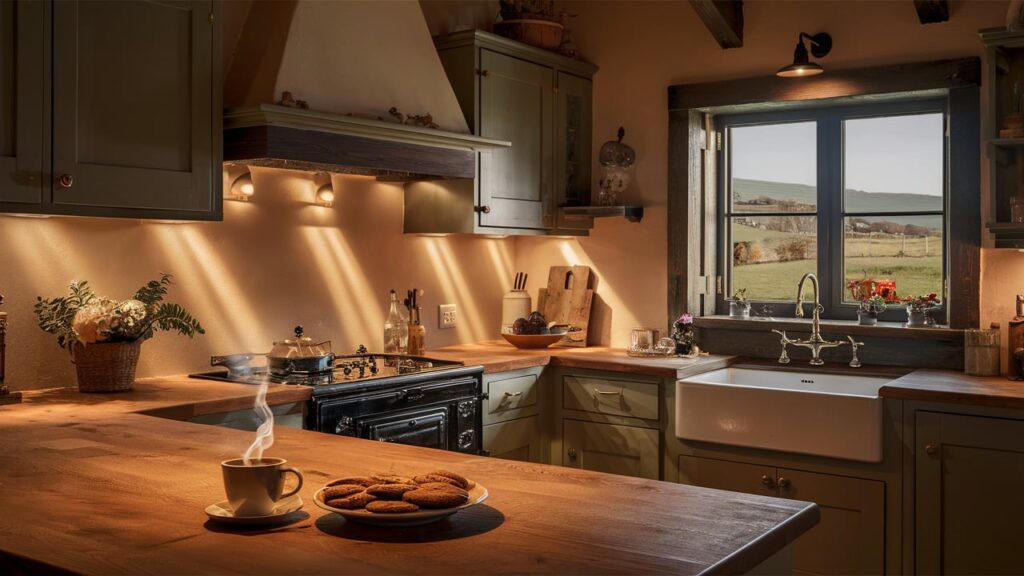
{"x": 894, "y": 154}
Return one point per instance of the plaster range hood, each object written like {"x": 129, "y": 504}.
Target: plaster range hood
{"x": 278, "y": 136}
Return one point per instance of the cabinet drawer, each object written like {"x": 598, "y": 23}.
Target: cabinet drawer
{"x": 617, "y": 397}
{"x": 510, "y": 398}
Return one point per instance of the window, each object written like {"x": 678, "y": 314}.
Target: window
{"x": 854, "y": 194}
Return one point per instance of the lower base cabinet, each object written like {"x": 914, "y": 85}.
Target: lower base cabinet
{"x": 611, "y": 448}
{"x": 518, "y": 439}
{"x": 849, "y": 539}
{"x": 969, "y": 498}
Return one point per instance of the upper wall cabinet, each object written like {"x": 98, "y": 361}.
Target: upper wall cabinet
{"x": 134, "y": 90}
{"x": 541, "y": 103}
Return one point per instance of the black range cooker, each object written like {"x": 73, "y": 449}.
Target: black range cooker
{"x": 386, "y": 397}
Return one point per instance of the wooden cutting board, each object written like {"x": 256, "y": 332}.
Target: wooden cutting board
{"x": 567, "y": 299}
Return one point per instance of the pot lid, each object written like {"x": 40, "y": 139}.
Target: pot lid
{"x": 299, "y": 346}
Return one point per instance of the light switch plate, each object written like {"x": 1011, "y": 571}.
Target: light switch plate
{"x": 446, "y": 316}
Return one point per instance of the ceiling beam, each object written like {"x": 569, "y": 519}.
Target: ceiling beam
{"x": 723, "y": 18}
{"x": 932, "y": 11}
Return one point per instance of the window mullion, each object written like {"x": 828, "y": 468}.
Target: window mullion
{"x": 829, "y": 207}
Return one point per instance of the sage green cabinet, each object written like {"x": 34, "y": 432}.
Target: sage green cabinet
{"x": 518, "y": 439}
{"x": 541, "y": 103}
{"x": 849, "y": 539}
{"x": 969, "y": 474}
{"x": 134, "y": 90}
{"x": 22, "y": 101}
{"x": 611, "y": 448}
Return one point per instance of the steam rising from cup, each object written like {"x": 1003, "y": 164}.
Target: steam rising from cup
{"x": 265, "y": 433}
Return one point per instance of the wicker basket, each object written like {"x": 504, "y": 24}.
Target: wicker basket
{"x": 107, "y": 366}
{"x": 540, "y": 33}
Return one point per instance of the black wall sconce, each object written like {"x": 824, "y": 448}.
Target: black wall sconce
{"x": 821, "y": 45}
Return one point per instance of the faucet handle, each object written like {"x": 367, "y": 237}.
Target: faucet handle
{"x": 854, "y": 361}
{"x": 784, "y": 357}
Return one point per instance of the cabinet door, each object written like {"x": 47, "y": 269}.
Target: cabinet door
{"x": 516, "y": 101}
{"x": 726, "y": 475}
{"x": 850, "y": 538}
{"x": 22, "y": 91}
{"x": 573, "y": 146}
{"x": 969, "y": 502}
{"x": 611, "y": 448}
{"x": 136, "y": 108}
{"x": 515, "y": 440}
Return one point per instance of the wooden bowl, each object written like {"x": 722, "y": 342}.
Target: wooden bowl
{"x": 528, "y": 341}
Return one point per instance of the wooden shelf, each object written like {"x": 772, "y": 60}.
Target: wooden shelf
{"x": 1006, "y": 142}
{"x": 631, "y": 213}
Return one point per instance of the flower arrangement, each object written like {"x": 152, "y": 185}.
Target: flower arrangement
{"x": 682, "y": 333}
{"x": 923, "y": 303}
{"x": 83, "y": 317}
{"x": 869, "y": 288}
{"x": 739, "y": 295}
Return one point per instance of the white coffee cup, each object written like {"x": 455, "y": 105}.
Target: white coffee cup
{"x": 254, "y": 489}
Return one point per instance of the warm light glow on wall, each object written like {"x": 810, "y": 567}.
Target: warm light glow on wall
{"x": 325, "y": 195}
{"x": 241, "y": 188}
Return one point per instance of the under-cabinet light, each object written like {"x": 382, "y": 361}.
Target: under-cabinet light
{"x": 241, "y": 188}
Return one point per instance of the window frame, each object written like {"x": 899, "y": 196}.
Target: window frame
{"x": 830, "y": 209}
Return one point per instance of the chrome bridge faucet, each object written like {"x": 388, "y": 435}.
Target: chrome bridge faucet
{"x": 815, "y": 343}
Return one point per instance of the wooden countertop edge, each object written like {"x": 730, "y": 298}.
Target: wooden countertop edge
{"x": 768, "y": 544}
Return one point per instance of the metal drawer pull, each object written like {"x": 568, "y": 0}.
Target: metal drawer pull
{"x": 513, "y": 394}
{"x": 767, "y": 480}
{"x": 608, "y": 392}
{"x": 572, "y": 453}
{"x": 929, "y": 449}
{"x": 783, "y": 483}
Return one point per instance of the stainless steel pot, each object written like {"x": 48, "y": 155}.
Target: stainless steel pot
{"x": 300, "y": 355}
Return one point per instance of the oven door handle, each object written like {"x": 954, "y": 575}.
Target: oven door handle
{"x": 411, "y": 395}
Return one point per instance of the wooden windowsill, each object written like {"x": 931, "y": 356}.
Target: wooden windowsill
{"x": 834, "y": 327}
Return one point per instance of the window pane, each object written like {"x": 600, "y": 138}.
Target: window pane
{"x": 894, "y": 163}
{"x": 900, "y": 252}
{"x": 771, "y": 253}
{"x": 774, "y": 167}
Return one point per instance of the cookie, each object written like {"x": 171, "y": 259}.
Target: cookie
{"x": 442, "y": 486}
{"x": 390, "y": 479}
{"x": 390, "y": 491}
{"x": 341, "y": 490}
{"x": 353, "y": 502}
{"x": 461, "y": 481}
{"x": 436, "y": 498}
{"x": 391, "y": 507}
{"x": 434, "y": 478}
{"x": 359, "y": 480}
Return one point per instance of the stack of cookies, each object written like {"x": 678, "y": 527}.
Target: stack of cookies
{"x": 390, "y": 494}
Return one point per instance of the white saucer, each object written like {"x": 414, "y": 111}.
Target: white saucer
{"x": 222, "y": 512}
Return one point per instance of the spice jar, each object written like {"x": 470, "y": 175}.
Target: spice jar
{"x": 981, "y": 352}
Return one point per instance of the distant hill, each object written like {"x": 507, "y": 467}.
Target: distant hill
{"x": 857, "y": 200}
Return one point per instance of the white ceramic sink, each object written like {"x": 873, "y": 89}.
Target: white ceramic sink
{"x": 833, "y": 415}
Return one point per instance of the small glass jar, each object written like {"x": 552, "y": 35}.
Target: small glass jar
{"x": 739, "y": 309}
{"x": 919, "y": 317}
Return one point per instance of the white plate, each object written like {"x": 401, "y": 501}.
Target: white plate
{"x": 477, "y": 494}
{"x": 222, "y": 512}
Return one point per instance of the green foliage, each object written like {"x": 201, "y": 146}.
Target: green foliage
{"x": 57, "y": 315}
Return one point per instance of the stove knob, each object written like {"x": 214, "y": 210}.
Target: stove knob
{"x": 361, "y": 350}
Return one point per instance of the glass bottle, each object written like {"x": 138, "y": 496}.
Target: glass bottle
{"x": 396, "y": 329}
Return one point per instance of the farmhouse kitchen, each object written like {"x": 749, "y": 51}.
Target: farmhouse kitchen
{"x": 511, "y": 286}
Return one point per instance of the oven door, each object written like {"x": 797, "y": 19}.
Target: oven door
{"x": 427, "y": 428}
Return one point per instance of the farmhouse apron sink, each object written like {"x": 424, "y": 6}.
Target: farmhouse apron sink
{"x": 838, "y": 416}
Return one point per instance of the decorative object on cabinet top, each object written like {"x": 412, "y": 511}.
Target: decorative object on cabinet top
{"x": 282, "y": 137}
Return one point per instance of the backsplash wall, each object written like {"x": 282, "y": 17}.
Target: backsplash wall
{"x": 274, "y": 262}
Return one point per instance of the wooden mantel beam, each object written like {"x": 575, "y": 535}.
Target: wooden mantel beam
{"x": 723, "y": 18}
{"x": 932, "y": 11}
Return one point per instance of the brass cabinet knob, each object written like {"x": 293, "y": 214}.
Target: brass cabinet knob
{"x": 483, "y": 72}
{"x": 483, "y": 209}
{"x": 929, "y": 449}
{"x": 783, "y": 483}
{"x": 767, "y": 480}
{"x": 572, "y": 453}
{"x": 66, "y": 181}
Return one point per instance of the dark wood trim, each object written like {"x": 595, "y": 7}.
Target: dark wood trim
{"x": 932, "y": 11}
{"x": 293, "y": 148}
{"x": 684, "y": 182}
{"x": 723, "y": 18}
{"x": 941, "y": 74}
{"x": 964, "y": 206}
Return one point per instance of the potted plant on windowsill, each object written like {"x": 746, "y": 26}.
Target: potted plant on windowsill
{"x": 104, "y": 336}
{"x": 919, "y": 308}
{"x": 739, "y": 306}
{"x": 682, "y": 334}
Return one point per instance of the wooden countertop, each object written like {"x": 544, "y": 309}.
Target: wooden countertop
{"x": 956, "y": 387}
{"x": 500, "y": 356}
{"x": 89, "y": 485}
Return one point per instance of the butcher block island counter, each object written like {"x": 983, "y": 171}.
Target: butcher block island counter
{"x": 97, "y": 485}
